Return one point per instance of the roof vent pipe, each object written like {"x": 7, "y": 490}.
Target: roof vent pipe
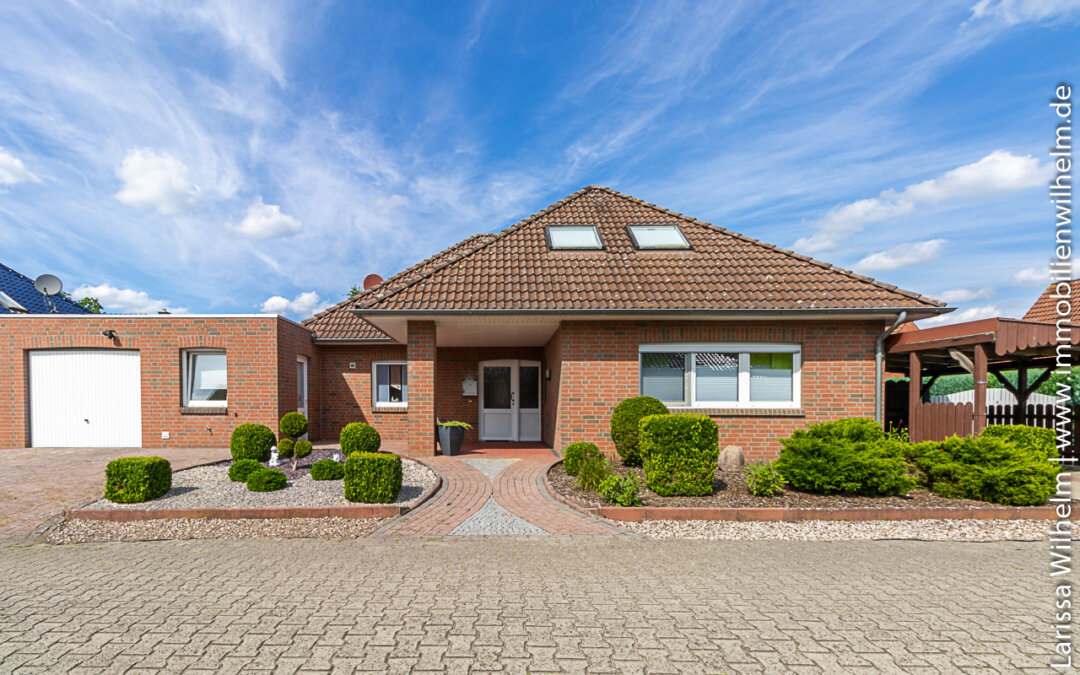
{"x": 879, "y": 363}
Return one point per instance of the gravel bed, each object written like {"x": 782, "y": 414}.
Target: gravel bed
{"x": 493, "y": 519}
{"x": 826, "y": 530}
{"x": 729, "y": 490}
{"x": 84, "y": 531}
{"x": 489, "y": 466}
{"x": 210, "y": 487}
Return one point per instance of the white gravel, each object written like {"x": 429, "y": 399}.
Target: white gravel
{"x": 210, "y": 487}
{"x": 83, "y": 531}
{"x": 830, "y": 530}
{"x": 493, "y": 519}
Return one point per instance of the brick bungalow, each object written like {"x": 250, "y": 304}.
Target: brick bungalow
{"x": 533, "y": 333}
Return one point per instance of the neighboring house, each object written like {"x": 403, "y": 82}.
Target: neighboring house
{"x": 1045, "y": 307}
{"x": 533, "y": 333}
{"x": 18, "y": 296}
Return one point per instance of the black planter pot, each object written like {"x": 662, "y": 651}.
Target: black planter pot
{"x": 450, "y": 439}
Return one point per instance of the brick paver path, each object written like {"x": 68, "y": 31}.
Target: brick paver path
{"x": 39, "y": 483}
{"x": 516, "y": 488}
{"x": 594, "y": 604}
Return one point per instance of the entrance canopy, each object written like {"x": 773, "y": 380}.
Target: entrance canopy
{"x": 978, "y": 347}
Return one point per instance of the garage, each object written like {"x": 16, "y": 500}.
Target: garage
{"x": 85, "y": 398}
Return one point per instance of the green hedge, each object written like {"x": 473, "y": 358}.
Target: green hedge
{"x": 1043, "y": 442}
{"x": 680, "y": 453}
{"x": 360, "y": 437}
{"x": 293, "y": 424}
{"x": 573, "y": 455}
{"x": 129, "y": 480}
{"x": 987, "y": 468}
{"x": 372, "y": 477}
{"x": 242, "y": 468}
{"x": 327, "y": 469}
{"x": 285, "y": 448}
{"x": 266, "y": 480}
{"x": 252, "y": 441}
{"x": 625, "y": 422}
{"x": 850, "y": 456}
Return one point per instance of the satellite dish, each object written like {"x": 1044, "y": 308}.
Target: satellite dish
{"x": 371, "y": 281}
{"x": 48, "y": 284}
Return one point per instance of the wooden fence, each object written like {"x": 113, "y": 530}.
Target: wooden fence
{"x": 938, "y": 421}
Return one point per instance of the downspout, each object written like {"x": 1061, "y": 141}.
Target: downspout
{"x": 879, "y": 363}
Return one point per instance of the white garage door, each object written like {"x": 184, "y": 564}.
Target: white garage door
{"x": 85, "y": 398}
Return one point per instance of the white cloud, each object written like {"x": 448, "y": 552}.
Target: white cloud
{"x": 969, "y": 314}
{"x": 156, "y": 181}
{"x": 965, "y": 294}
{"x": 1033, "y": 276}
{"x": 998, "y": 173}
{"x": 263, "y": 221}
{"x": 125, "y": 300}
{"x": 900, "y": 256}
{"x": 1018, "y": 11}
{"x": 303, "y": 305}
{"x": 249, "y": 28}
{"x": 13, "y": 171}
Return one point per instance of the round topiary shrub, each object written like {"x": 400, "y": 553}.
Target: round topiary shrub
{"x": 624, "y": 426}
{"x": 266, "y": 480}
{"x": 242, "y": 468}
{"x": 293, "y": 424}
{"x": 327, "y": 469}
{"x": 285, "y": 448}
{"x": 251, "y": 441}
{"x": 301, "y": 449}
{"x": 573, "y": 455}
{"x": 360, "y": 437}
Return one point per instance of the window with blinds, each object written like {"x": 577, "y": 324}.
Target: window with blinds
{"x": 721, "y": 375}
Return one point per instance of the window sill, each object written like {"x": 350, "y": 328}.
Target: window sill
{"x": 390, "y": 409}
{"x": 743, "y": 412}
{"x": 199, "y": 410}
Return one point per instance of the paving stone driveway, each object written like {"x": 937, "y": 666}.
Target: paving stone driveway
{"x": 38, "y": 483}
{"x": 454, "y": 604}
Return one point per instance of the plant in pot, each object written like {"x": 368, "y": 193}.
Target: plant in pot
{"x": 451, "y": 436}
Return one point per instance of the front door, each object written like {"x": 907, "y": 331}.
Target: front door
{"x": 509, "y": 400}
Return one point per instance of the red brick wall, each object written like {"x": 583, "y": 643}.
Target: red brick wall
{"x": 346, "y": 394}
{"x": 251, "y": 345}
{"x": 600, "y": 368}
{"x": 553, "y": 357}
{"x": 423, "y": 384}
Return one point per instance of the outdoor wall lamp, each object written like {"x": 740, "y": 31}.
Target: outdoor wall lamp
{"x": 111, "y": 334}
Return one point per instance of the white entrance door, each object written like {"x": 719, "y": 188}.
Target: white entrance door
{"x": 509, "y": 400}
{"x": 302, "y": 387}
{"x": 85, "y": 398}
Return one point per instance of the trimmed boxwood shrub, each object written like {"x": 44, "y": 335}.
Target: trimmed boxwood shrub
{"x": 680, "y": 453}
{"x": 327, "y": 469}
{"x": 1041, "y": 441}
{"x": 573, "y": 454}
{"x": 593, "y": 467}
{"x": 266, "y": 480}
{"x": 285, "y": 448}
{"x": 625, "y": 422}
{"x": 851, "y": 456}
{"x": 293, "y": 424}
{"x": 242, "y": 468}
{"x": 985, "y": 468}
{"x": 251, "y": 441}
{"x": 129, "y": 480}
{"x": 302, "y": 449}
{"x": 372, "y": 477}
{"x": 360, "y": 437}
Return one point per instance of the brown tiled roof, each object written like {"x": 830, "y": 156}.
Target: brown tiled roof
{"x": 340, "y": 323}
{"x": 515, "y": 270}
{"x": 1045, "y": 307}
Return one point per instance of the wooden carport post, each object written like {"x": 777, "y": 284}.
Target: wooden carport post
{"x": 914, "y": 396}
{"x": 1022, "y": 393}
{"x": 979, "y": 374}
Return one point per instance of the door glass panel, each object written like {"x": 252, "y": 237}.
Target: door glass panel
{"x": 529, "y": 381}
{"x": 301, "y": 385}
{"x": 497, "y": 387}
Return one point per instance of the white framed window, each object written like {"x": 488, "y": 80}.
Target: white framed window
{"x": 573, "y": 238}
{"x": 205, "y": 383}
{"x": 722, "y": 375}
{"x": 389, "y": 384}
{"x": 657, "y": 237}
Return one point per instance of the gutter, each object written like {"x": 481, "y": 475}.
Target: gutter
{"x": 879, "y": 363}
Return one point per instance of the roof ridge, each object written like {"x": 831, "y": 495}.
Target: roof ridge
{"x": 495, "y": 236}
{"x": 778, "y": 249}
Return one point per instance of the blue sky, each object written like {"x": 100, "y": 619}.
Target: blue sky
{"x": 250, "y": 156}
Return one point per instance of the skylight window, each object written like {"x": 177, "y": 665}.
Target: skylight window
{"x": 652, "y": 237}
{"x": 574, "y": 237}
